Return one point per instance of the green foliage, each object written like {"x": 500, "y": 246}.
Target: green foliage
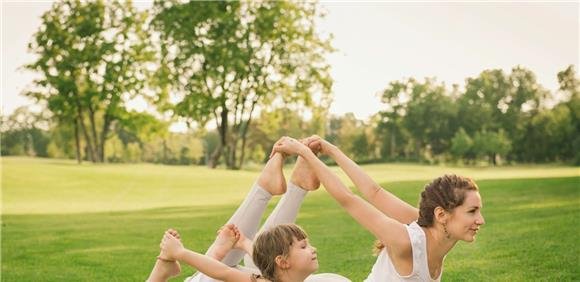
{"x": 92, "y": 57}
{"x": 21, "y": 135}
{"x": 461, "y": 145}
{"x": 227, "y": 59}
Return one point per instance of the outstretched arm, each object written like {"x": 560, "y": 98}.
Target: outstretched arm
{"x": 386, "y": 229}
{"x": 211, "y": 267}
{"x": 380, "y": 198}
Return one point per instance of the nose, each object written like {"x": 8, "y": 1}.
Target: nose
{"x": 313, "y": 249}
{"x": 480, "y": 220}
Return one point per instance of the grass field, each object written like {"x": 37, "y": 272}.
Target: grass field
{"x": 64, "y": 222}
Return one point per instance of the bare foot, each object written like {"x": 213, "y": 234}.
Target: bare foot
{"x": 227, "y": 237}
{"x": 303, "y": 176}
{"x": 165, "y": 268}
{"x": 272, "y": 178}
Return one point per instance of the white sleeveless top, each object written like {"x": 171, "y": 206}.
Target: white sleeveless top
{"x": 384, "y": 270}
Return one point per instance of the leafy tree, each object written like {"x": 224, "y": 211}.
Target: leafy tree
{"x": 92, "y": 56}
{"x": 227, "y": 59}
{"x": 22, "y": 134}
{"x": 495, "y": 100}
{"x": 461, "y": 145}
{"x": 570, "y": 87}
{"x": 395, "y": 97}
{"x": 430, "y": 117}
{"x": 491, "y": 144}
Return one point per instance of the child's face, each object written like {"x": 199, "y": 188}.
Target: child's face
{"x": 303, "y": 257}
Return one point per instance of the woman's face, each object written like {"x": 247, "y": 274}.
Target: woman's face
{"x": 466, "y": 219}
{"x": 302, "y": 257}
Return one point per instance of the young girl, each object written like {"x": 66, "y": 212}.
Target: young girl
{"x": 413, "y": 243}
{"x": 282, "y": 253}
{"x": 235, "y": 238}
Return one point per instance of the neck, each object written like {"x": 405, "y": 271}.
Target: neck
{"x": 292, "y": 277}
{"x": 438, "y": 245}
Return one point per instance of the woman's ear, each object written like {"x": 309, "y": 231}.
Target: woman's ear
{"x": 441, "y": 215}
{"x": 282, "y": 262}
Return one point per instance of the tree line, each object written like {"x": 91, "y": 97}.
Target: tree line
{"x": 253, "y": 71}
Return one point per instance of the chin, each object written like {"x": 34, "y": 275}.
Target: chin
{"x": 469, "y": 239}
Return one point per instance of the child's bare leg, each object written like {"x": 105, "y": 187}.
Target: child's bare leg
{"x": 164, "y": 268}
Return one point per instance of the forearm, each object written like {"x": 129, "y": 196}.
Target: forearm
{"x": 364, "y": 183}
{"x": 380, "y": 198}
{"x": 205, "y": 264}
{"x": 331, "y": 182}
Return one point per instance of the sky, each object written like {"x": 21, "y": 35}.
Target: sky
{"x": 379, "y": 42}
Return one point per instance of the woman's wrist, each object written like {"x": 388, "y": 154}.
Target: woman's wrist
{"x": 332, "y": 151}
{"x": 304, "y": 151}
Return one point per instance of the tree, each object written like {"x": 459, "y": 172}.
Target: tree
{"x": 461, "y": 145}
{"x": 570, "y": 86}
{"x": 430, "y": 116}
{"x": 92, "y": 57}
{"x": 491, "y": 144}
{"x": 227, "y": 59}
{"x": 22, "y": 134}
{"x": 495, "y": 100}
{"x": 395, "y": 97}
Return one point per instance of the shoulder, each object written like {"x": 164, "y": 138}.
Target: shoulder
{"x": 259, "y": 278}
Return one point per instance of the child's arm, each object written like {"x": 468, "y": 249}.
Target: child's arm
{"x": 211, "y": 267}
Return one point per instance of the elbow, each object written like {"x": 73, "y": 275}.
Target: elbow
{"x": 375, "y": 190}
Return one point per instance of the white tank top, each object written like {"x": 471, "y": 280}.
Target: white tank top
{"x": 384, "y": 270}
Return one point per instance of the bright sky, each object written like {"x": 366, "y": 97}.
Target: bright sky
{"x": 379, "y": 42}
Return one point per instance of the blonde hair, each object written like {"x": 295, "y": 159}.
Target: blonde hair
{"x": 272, "y": 243}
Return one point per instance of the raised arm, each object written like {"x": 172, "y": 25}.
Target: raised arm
{"x": 386, "y": 229}
{"x": 211, "y": 267}
{"x": 380, "y": 198}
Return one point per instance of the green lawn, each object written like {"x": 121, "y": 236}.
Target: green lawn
{"x": 62, "y": 221}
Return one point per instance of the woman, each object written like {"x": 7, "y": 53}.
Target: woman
{"x": 273, "y": 249}
{"x": 412, "y": 243}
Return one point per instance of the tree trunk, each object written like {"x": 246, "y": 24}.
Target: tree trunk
{"x": 223, "y": 130}
{"x": 94, "y": 134}
{"x": 104, "y": 132}
{"x": 215, "y": 155}
{"x": 244, "y": 134}
{"x": 91, "y": 149}
{"x": 418, "y": 150}
{"x": 393, "y": 145}
{"x": 77, "y": 142}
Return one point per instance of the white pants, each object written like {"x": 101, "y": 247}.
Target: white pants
{"x": 247, "y": 218}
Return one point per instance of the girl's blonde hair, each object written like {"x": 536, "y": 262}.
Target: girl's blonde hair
{"x": 272, "y": 243}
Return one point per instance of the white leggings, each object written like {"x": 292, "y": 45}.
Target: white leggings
{"x": 247, "y": 218}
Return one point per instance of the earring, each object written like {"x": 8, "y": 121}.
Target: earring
{"x": 445, "y": 230}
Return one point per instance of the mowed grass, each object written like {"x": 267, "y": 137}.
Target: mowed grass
{"x": 63, "y": 222}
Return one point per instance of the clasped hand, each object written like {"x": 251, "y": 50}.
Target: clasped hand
{"x": 290, "y": 146}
